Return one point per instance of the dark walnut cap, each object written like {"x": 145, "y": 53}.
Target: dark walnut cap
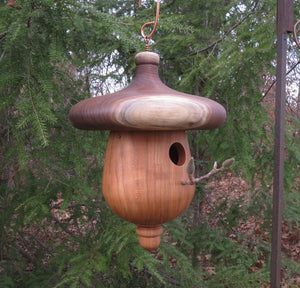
{"x": 147, "y": 104}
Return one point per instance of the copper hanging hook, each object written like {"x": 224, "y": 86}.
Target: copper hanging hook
{"x": 295, "y": 33}
{"x": 11, "y": 3}
{"x": 147, "y": 37}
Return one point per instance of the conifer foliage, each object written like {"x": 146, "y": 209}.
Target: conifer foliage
{"x": 55, "y": 227}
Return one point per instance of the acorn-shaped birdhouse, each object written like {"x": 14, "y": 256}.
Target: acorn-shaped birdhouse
{"x": 147, "y": 151}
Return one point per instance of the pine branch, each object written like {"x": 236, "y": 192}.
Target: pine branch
{"x": 26, "y": 254}
{"x": 61, "y": 224}
{"x": 165, "y": 277}
{"x": 120, "y": 11}
{"x": 214, "y": 43}
{"x": 3, "y": 36}
{"x": 23, "y": 251}
{"x": 234, "y": 231}
{"x": 39, "y": 242}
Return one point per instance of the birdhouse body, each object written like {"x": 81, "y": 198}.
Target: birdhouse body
{"x": 147, "y": 151}
{"x": 142, "y": 175}
{"x": 142, "y": 179}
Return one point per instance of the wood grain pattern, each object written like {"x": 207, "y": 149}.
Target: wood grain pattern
{"x": 147, "y": 104}
{"x": 141, "y": 182}
{"x": 149, "y": 237}
{"x": 147, "y": 150}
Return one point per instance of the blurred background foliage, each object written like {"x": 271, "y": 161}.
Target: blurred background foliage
{"x": 56, "y": 229}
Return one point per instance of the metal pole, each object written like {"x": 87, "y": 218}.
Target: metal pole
{"x": 284, "y": 25}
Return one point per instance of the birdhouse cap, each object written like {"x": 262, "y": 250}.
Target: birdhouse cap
{"x": 147, "y": 104}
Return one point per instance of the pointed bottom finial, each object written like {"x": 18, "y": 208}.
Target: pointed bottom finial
{"x": 149, "y": 237}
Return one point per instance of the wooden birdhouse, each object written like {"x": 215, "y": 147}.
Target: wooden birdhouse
{"x": 147, "y": 150}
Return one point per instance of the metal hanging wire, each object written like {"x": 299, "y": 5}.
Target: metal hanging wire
{"x": 296, "y": 32}
{"x": 147, "y": 37}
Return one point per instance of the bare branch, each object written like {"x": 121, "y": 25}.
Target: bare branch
{"x": 192, "y": 181}
{"x": 287, "y": 73}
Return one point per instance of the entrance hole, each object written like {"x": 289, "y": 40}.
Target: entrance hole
{"x": 177, "y": 154}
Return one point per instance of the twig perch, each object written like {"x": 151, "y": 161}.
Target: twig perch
{"x": 190, "y": 168}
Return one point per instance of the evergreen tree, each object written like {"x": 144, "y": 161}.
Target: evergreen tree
{"x": 56, "y": 229}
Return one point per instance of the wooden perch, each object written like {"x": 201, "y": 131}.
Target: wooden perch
{"x": 192, "y": 181}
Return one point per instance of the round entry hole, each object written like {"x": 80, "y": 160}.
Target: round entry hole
{"x": 177, "y": 154}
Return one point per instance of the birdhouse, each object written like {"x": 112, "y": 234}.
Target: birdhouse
{"x": 147, "y": 151}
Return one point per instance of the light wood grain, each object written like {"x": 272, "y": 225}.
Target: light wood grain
{"x": 149, "y": 237}
{"x": 140, "y": 181}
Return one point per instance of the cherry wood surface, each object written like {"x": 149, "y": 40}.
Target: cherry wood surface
{"x": 142, "y": 179}
{"x": 147, "y": 104}
{"x": 149, "y": 236}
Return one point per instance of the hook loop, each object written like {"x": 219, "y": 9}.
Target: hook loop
{"x": 295, "y": 33}
{"x": 147, "y": 37}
